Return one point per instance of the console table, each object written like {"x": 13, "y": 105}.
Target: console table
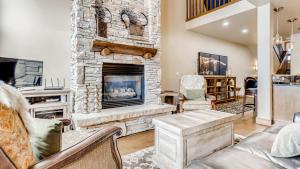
{"x": 48, "y": 103}
{"x": 184, "y": 137}
{"x": 222, "y": 87}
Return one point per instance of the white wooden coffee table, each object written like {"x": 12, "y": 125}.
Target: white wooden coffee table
{"x": 181, "y": 138}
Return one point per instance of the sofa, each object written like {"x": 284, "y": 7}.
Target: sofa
{"x": 251, "y": 153}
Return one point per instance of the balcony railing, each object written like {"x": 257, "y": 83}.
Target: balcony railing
{"x": 196, "y": 8}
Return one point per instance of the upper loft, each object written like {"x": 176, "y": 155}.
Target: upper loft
{"x": 206, "y": 16}
{"x": 198, "y": 8}
{"x": 236, "y": 20}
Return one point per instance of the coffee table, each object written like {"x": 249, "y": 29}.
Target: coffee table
{"x": 184, "y": 137}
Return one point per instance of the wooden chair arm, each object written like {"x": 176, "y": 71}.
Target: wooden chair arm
{"x": 5, "y": 162}
{"x": 213, "y": 100}
{"x": 210, "y": 97}
{"x": 67, "y": 157}
{"x": 65, "y": 121}
{"x": 181, "y": 99}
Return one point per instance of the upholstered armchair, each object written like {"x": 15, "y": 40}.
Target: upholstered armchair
{"x": 17, "y": 150}
{"x": 99, "y": 151}
{"x": 193, "y": 94}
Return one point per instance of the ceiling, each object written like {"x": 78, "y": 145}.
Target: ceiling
{"x": 232, "y": 32}
{"x": 248, "y": 20}
{"x": 291, "y": 9}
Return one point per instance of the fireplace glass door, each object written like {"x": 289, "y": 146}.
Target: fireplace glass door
{"x": 123, "y": 87}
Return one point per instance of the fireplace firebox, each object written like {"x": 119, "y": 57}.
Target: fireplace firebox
{"x": 123, "y": 85}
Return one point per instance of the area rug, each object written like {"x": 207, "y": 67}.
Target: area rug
{"x": 143, "y": 159}
{"x": 140, "y": 160}
{"x": 235, "y": 107}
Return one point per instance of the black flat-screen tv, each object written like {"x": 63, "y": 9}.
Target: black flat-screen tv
{"x": 20, "y": 72}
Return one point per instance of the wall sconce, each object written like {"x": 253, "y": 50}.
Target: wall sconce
{"x": 256, "y": 66}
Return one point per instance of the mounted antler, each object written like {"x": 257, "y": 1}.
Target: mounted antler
{"x": 132, "y": 18}
{"x": 146, "y": 18}
{"x": 101, "y": 18}
{"x": 101, "y": 13}
{"x": 133, "y": 22}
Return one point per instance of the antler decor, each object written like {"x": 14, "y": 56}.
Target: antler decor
{"x": 134, "y": 22}
{"x": 102, "y": 19}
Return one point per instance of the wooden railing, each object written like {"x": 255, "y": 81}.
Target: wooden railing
{"x": 196, "y": 8}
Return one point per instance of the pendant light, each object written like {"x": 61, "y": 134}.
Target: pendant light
{"x": 278, "y": 39}
{"x": 290, "y": 45}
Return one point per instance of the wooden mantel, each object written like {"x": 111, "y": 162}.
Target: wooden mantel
{"x": 106, "y": 48}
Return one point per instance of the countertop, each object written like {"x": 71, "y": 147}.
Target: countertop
{"x": 287, "y": 84}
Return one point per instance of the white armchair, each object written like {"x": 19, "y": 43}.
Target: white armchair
{"x": 192, "y": 84}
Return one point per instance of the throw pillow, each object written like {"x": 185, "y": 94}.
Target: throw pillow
{"x": 46, "y": 140}
{"x": 14, "y": 139}
{"x": 287, "y": 142}
{"x": 193, "y": 94}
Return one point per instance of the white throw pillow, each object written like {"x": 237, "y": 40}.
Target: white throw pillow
{"x": 287, "y": 142}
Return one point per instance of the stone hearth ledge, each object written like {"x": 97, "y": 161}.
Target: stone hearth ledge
{"x": 120, "y": 114}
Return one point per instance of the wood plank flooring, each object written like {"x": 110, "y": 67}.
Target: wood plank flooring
{"x": 129, "y": 144}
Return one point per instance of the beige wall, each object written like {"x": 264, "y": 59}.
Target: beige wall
{"x": 181, "y": 47}
{"x": 40, "y": 30}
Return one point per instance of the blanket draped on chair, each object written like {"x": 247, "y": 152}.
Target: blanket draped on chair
{"x": 15, "y": 126}
{"x": 12, "y": 98}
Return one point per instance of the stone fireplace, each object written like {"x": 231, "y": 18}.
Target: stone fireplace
{"x": 87, "y": 77}
{"x": 123, "y": 85}
{"x": 96, "y": 91}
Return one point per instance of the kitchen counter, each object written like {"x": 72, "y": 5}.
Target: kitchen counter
{"x": 288, "y": 84}
{"x": 286, "y": 99}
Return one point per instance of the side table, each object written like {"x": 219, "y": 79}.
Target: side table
{"x": 170, "y": 97}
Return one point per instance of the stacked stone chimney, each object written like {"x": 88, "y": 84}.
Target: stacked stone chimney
{"x": 86, "y": 80}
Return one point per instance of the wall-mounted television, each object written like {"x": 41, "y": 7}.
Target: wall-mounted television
{"x": 20, "y": 72}
{"x": 211, "y": 64}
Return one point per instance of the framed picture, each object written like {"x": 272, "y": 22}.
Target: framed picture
{"x": 211, "y": 64}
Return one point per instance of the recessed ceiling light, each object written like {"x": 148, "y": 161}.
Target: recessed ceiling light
{"x": 226, "y": 24}
{"x": 244, "y": 31}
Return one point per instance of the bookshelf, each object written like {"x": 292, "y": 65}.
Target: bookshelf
{"x": 222, "y": 87}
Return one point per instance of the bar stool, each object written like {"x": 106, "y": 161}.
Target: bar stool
{"x": 250, "y": 85}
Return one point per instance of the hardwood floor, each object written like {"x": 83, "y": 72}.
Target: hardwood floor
{"x": 247, "y": 126}
{"x": 129, "y": 144}
{"x": 136, "y": 142}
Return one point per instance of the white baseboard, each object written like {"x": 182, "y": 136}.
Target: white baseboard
{"x": 265, "y": 122}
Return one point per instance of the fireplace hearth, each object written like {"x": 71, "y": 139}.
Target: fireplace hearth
{"x": 123, "y": 85}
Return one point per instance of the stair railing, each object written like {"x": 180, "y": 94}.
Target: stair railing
{"x": 197, "y": 8}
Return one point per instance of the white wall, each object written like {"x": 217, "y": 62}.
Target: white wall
{"x": 39, "y": 30}
{"x": 180, "y": 48}
{"x": 295, "y": 58}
